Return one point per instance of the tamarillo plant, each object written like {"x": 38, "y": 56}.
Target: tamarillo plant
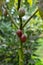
{"x": 18, "y": 40}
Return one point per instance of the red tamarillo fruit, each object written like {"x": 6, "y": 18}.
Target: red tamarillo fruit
{"x": 23, "y": 38}
{"x": 19, "y": 33}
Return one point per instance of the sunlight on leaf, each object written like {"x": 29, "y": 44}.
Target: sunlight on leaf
{"x": 15, "y": 3}
{"x": 30, "y": 2}
{"x": 38, "y": 14}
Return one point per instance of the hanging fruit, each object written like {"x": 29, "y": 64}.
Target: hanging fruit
{"x": 23, "y": 38}
{"x": 19, "y": 33}
{"x": 21, "y": 12}
{"x": 5, "y": 12}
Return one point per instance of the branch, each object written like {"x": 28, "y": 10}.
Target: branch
{"x": 19, "y": 1}
{"x": 30, "y": 17}
{"x": 20, "y": 51}
{"x": 36, "y": 37}
{"x": 12, "y": 20}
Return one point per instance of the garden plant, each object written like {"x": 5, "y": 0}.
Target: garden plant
{"x": 21, "y": 25}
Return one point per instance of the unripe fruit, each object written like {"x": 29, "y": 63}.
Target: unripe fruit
{"x": 40, "y": 7}
{"x": 21, "y": 12}
{"x": 5, "y": 12}
{"x": 23, "y": 38}
{"x": 19, "y": 33}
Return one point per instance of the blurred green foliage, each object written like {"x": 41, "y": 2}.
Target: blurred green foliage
{"x": 9, "y": 42}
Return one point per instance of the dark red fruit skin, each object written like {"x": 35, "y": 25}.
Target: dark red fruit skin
{"x": 23, "y": 38}
{"x": 19, "y": 33}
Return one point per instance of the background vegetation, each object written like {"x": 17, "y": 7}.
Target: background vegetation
{"x": 9, "y": 41}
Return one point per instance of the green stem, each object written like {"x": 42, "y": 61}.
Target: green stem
{"x": 12, "y": 20}
{"x": 20, "y": 23}
{"x": 21, "y": 56}
{"x": 19, "y": 1}
{"x": 20, "y": 51}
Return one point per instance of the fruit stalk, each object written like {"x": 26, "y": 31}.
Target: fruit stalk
{"x": 20, "y": 51}
{"x": 19, "y": 2}
{"x": 21, "y": 56}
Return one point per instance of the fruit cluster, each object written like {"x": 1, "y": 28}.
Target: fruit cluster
{"x": 22, "y": 36}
